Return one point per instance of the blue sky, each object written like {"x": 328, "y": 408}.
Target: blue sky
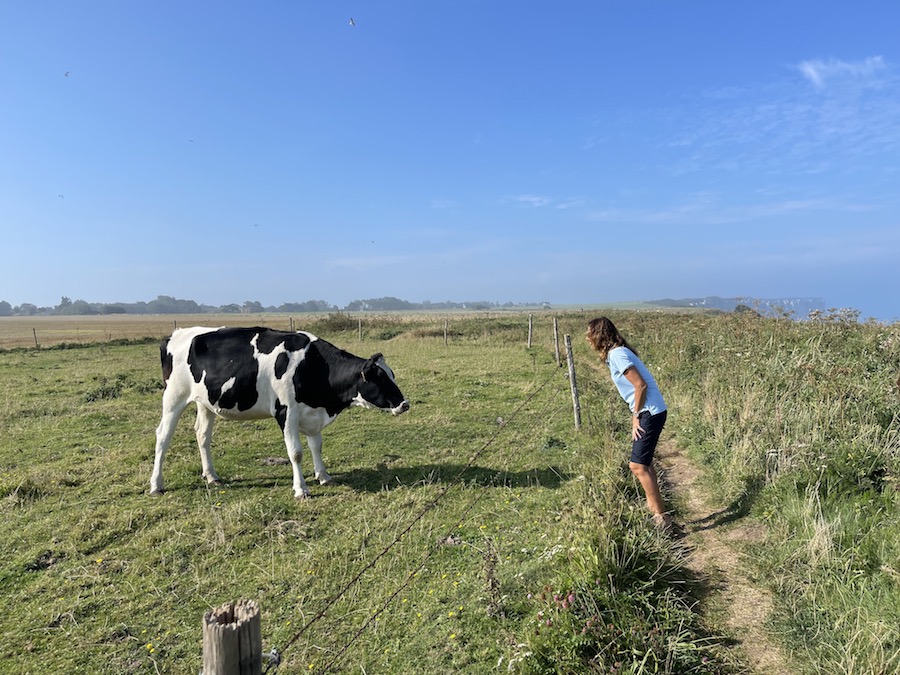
{"x": 569, "y": 152}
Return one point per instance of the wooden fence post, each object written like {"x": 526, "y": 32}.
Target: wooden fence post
{"x": 232, "y": 640}
{"x": 556, "y": 340}
{"x": 575, "y": 402}
{"x": 530, "y": 328}
{"x": 446, "y": 330}
{"x": 359, "y": 328}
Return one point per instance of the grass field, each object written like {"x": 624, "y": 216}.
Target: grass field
{"x": 479, "y": 531}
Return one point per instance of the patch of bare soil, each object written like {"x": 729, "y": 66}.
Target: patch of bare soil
{"x": 714, "y": 538}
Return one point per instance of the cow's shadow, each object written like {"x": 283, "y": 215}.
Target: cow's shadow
{"x": 383, "y": 477}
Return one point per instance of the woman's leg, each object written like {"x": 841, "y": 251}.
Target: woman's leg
{"x": 646, "y": 475}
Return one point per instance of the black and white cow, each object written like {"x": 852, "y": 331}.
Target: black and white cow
{"x": 253, "y": 373}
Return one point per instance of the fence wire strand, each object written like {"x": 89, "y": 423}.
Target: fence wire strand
{"x": 539, "y": 416}
{"x": 454, "y": 482}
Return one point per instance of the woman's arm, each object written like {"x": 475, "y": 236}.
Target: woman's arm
{"x": 640, "y": 394}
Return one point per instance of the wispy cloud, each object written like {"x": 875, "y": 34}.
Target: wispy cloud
{"x": 820, "y": 73}
{"x": 848, "y": 121}
{"x": 574, "y": 203}
{"x": 706, "y": 209}
{"x": 534, "y": 201}
{"x": 364, "y": 263}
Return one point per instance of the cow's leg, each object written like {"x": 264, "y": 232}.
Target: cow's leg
{"x": 295, "y": 452}
{"x": 204, "y": 430}
{"x": 315, "y": 449}
{"x": 173, "y": 406}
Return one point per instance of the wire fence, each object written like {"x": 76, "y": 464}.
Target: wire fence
{"x": 551, "y": 408}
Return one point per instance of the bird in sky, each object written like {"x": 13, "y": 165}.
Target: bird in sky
{"x": 60, "y": 196}
{"x": 352, "y": 22}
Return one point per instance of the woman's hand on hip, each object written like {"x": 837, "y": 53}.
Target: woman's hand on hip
{"x": 636, "y": 429}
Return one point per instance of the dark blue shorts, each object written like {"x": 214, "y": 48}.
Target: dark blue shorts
{"x": 643, "y": 448}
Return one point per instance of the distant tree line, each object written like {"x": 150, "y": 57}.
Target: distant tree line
{"x": 165, "y": 304}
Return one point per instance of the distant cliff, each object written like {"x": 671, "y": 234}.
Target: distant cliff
{"x": 798, "y": 308}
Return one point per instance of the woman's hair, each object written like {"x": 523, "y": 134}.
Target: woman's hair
{"x": 603, "y": 335}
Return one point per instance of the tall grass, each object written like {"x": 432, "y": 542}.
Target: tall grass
{"x": 797, "y": 423}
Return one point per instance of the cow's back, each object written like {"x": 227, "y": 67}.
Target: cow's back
{"x": 236, "y": 372}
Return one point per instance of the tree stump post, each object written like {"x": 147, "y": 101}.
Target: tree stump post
{"x": 232, "y": 640}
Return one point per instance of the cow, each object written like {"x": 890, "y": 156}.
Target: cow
{"x": 301, "y": 380}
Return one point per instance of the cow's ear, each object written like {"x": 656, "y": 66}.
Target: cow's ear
{"x": 371, "y": 363}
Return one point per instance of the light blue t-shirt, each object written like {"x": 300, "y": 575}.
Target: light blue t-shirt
{"x": 621, "y": 359}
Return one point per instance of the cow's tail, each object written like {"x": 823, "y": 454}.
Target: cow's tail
{"x": 166, "y": 358}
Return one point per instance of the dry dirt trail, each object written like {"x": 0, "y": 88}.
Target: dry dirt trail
{"x": 714, "y": 538}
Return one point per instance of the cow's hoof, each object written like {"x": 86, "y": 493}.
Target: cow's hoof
{"x": 327, "y": 481}
{"x": 156, "y": 493}
{"x": 302, "y": 496}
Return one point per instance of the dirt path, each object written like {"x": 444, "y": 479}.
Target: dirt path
{"x": 714, "y": 537}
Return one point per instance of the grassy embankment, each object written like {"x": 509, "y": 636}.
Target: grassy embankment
{"x": 535, "y": 554}
{"x": 797, "y": 425}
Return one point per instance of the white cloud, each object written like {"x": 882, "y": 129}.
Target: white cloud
{"x": 705, "y": 209}
{"x": 819, "y": 73}
{"x": 535, "y": 201}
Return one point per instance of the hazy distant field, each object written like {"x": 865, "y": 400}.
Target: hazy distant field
{"x": 20, "y": 331}
{"x": 47, "y": 331}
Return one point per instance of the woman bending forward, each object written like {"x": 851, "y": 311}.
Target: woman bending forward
{"x": 648, "y": 409}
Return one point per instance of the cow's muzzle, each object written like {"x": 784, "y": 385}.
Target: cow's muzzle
{"x": 400, "y": 409}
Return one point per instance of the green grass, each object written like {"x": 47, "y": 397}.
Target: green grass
{"x": 483, "y": 496}
{"x": 512, "y": 540}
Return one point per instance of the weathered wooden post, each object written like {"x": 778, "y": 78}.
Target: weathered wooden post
{"x": 446, "y": 330}
{"x": 292, "y": 324}
{"x": 575, "y": 402}
{"x": 34, "y": 331}
{"x": 359, "y": 327}
{"x": 530, "y": 328}
{"x": 556, "y": 340}
{"x": 232, "y": 640}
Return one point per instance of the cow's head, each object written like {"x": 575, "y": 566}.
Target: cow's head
{"x": 377, "y": 388}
